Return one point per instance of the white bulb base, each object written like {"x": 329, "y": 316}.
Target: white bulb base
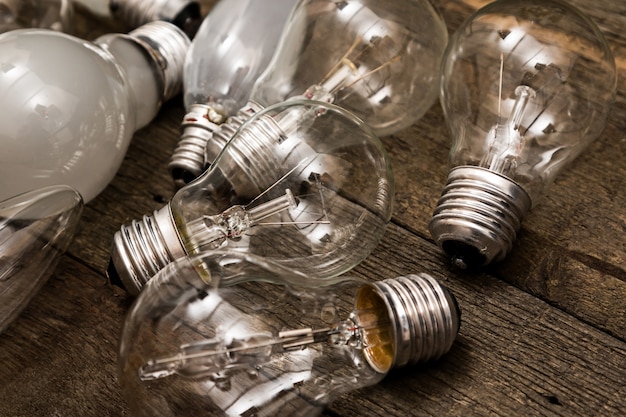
{"x": 478, "y": 216}
{"x": 424, "y": 316}
{"x": 143, "y": 248}
{"x": 187, "y": 162}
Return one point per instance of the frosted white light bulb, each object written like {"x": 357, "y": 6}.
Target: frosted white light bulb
{"x": 232, "y": 47}
{"x": 251, "y": 342}
{"x": 380, "y": 62}
{"x": 317, "y": 199}
{"x": 184, "y": 14}
{"x": 526, "y": 87}
{"x": 35, "y": 230}
{"x": 49, "y": 14}
{"x": 70, "y": 107}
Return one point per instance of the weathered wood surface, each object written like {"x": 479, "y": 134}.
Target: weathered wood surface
{"x": 543, "y": 333}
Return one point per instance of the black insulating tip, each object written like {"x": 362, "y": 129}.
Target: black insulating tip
{"x": 463, "y": 255}
{"x": 113, "y": 276}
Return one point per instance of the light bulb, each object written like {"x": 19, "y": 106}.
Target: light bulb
{"x": 35, "y": 230}
{"x": 526, "y": 87}
{"x": 380, "y": 62}
{"x": 184, "y": 14}
{"x": 232, "y": 47}
{"x": 70, "y": 107}
{"x": 316, "y": 199}
{"x": 249, "y": 342}
{"x": 49, "y": 14}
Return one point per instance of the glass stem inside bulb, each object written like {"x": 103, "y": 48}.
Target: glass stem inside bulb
{"x": 506, "y": 140}
{"x": 234, "y": 222}
{"x": 263, "y": 211}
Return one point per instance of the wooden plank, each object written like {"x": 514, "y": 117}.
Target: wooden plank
{"x": 59, "y": 357}
{"x": 563, "y": 354}
{"x": 515, "y": 354}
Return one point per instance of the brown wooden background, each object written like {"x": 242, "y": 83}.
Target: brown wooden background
{"x": 543, "y": 333}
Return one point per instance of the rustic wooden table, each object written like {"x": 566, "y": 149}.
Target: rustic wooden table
{"x": 543, "y": 333}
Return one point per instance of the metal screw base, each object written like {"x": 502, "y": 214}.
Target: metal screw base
{"x": 187, "y": 162}
{"x": 227, "y": 130}
{"x": 478, "y": 216}
{"x": 142, "y": 249}
{"x": 424, "y": 317}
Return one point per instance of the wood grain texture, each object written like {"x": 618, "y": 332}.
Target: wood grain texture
{"x": 543, "y": 333}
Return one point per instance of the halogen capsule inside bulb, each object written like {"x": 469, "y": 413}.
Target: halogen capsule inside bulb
{"x": 255, "y": 340}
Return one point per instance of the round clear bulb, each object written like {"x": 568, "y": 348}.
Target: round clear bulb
{"x": 526, "y": 87}
{"x": 35, "y": 230}
{"x": 316, "y": 198}
{"x": 232, "y": 47}
{"x": 70, "y": 107}
{"x": 48, "y": 14}
{"x": 380, "y": 62}
{"x": 184, "y": 14}
{"x": 248, "y": 341}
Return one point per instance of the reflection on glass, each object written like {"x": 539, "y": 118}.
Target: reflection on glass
{"x": 253, "y": 341}
{"x": 526, "y": 87}
{"x": 35, "y": 230}
{"x": 315, "y": 193}
{"x": 70, "y": 107}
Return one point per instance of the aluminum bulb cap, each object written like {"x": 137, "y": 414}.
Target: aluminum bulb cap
{"x": 424, "y": 318}
{"x": 187, "y": 162}
{"x": 143, "y": 248}
{"x": 478, "y": 216}
{"x": 168, "y": 46}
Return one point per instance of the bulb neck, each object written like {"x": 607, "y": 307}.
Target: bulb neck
{"x": 227, "y": 130}
{"x": 167, "y": 45}
{"x": 143, "y": 248}
{"x": 478, "y": 216}
{"x": 187, "y": 161}
{"x": 424, "y": 316}
{"x": 184, "y": 14}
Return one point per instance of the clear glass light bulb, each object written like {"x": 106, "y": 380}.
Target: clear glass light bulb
{"x": 35, "y": 230}
{"x": 380, "y": 62}
{"x": 316, "y": 198}
{"x": 232, "y": 47}
{"x": 70, "y": 107}
{"x": 184, "y": 14}
{"x": 526, "y": 87}
{"x": 48, "y": 14}
{"x": 247, "y": 342}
